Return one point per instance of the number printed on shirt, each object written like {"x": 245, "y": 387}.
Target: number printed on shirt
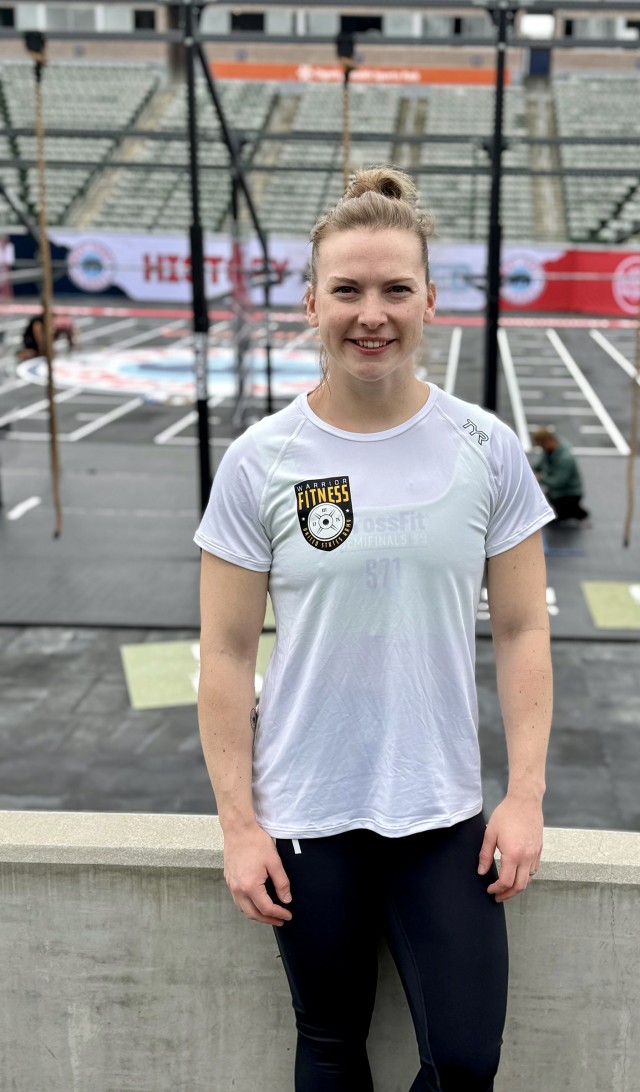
{"x": 382, "y": 572}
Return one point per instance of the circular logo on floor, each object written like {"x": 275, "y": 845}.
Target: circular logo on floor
{"x": 167, "y": 375}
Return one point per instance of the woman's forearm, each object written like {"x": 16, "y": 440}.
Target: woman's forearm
{"x": 226, "y": 697}
{"x": 525, "y": 691}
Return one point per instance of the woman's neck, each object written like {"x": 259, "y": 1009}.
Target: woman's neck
{"x": 367, "y": 410}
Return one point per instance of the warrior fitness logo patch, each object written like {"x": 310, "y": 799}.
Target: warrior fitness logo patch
{"x": 325, "y": 512}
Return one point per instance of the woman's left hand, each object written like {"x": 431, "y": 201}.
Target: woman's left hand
{"x": 515, "y": 829}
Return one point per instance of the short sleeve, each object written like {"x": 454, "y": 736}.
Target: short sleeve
{"x": 231, "y": 526}
{"x": 520, "y": 507}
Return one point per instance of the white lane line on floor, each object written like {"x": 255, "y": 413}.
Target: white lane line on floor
{"x": 103, "y": 420}
{"x": 139, "y": 513}
{"x": 557, "y": 381}
{"x": 519, "y": 416}
{"x": 146, "y": 335}
{"x": 569, "y": 411}
{"x": 593, "y": 430}
{"x": 13, "y": 385}
{"x": 35, "y": 407}
{"x": 191, "y": 441}
{"x": 24, "y": 507}
{"x": 596, "y": 451}
{"x": 589, "y": 393}
{"x": 614, "y": 353}
{"x": 183, "y": 422}
{"x": 451, "y": 372}
{"x": 108, "y": 328}
{"x": 175, "y": 428}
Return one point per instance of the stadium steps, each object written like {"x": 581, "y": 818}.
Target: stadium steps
{"x": 131, "y": 150}
{"x": 547, "y": 194}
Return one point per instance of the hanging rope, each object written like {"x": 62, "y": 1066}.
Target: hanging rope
{"x": 346, "y": 134}
{"x": 633, "y": 438}
{"x": 345, "y": 47}
{"x": 36, "y": 47}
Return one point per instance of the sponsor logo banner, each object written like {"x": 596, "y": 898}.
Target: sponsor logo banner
{"x": 333, "y": 73}
{"x": 534, "y": 278}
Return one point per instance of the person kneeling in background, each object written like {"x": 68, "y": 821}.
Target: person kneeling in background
{"x": 33, "y": 336}
{"x": 559, "y": 474}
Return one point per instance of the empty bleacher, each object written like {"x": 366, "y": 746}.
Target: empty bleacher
{"x": 160, "y": 199}
{"x": 607, "y": 106}
{"x": 104, "y": 97}
{"x": 153, "y": 194}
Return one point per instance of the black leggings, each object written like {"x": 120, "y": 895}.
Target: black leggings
{"x": 446, "y": 935}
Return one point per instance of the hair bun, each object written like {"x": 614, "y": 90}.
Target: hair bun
{"x": 383, "y": 180}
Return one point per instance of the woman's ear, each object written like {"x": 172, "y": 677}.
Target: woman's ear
{"x": 430, "y": 308}
{"x": 310, "y": 300}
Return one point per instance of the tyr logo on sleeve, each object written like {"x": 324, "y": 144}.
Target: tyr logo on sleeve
{"x": 324, "y": 511}
{"x": 473, "y": 430}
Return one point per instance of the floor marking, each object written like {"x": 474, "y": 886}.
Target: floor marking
{"x": 509, "y": 370}
{"x": 109, "y": 328}
{"x": 177, "y": 426}
{"x": 593, "y": 429}
{"x": 103, "y": 420}
{"x": 184, "y": 422}
{"x": 613, "y": 604}
{"x": 588, "y": 392}
{"x": 597, "y": 451}
{"x": 35, "y": 407}
{"x": 13, "y": 385}
{"x": 451, "y": 372}
{"x": 615, "y": 354}
{"x": 137, "y": 339}
{"x": 24, "y": 507}
{"x": 541, "y": 381}
{"x": 570, "y": 411}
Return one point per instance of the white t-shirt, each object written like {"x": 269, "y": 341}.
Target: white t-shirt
{"x": 375, "y": 544}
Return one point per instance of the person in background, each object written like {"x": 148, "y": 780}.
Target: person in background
{"x": 350, "y": 800}
{"x": 33, "y": 335}
{"x": 559, "y": 474}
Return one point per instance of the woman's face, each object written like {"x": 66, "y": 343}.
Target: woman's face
{"x": 370, "y": 302}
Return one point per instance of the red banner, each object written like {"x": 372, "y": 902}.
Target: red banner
{"x": 584, "y": 282}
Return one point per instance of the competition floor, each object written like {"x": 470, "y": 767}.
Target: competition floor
{"x": 129, "y": 457}
{"x": 99, "y": 651}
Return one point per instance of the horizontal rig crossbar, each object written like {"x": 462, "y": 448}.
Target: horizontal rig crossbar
{"x": 441, "y": 168}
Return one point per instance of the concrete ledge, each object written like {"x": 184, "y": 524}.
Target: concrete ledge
{"x": 127, "y": 968}
{"x": 195, "y": 841}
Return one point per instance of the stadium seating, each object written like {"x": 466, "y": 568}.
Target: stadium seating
{"x": 105, "y": 97}
{"x": 599, "y": 106}
{"x": 153, "y": 194}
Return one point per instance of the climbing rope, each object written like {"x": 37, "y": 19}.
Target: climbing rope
{"x": 39, "y": 55}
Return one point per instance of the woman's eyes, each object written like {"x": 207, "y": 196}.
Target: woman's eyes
{"x": 347, "y": 289}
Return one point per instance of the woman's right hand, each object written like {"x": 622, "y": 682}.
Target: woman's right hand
{"x": 250, "y": 859}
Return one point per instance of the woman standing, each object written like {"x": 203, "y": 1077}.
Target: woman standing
{"x": 368, "y": 510}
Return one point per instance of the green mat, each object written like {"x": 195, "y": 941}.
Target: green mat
{"x": 613, "y": 605}
{"x": 165, "y": 673}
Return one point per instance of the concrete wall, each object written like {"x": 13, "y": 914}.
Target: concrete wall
{"x": 126, "y": 967}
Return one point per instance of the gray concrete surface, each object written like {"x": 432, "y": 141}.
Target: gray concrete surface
{"x": 126, "y": 967}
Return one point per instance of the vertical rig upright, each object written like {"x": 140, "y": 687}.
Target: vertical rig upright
{"x": 200, "y": 312}
{"x": 502, "y": 16}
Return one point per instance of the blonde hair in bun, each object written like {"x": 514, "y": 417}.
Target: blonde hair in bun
{"x": 376, "y": 198}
